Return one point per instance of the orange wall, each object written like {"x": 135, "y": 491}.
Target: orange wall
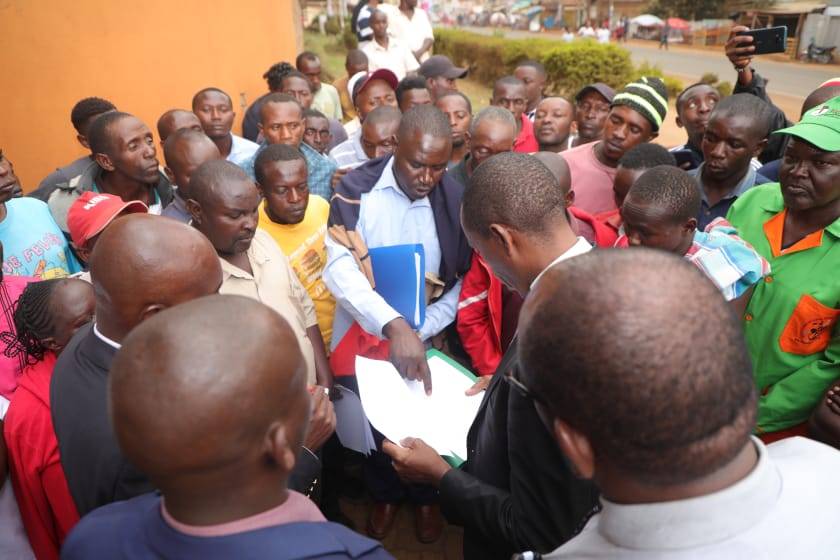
{"x": 145, "y": 57}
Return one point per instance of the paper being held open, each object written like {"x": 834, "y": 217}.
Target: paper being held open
{"x": 399, "y": 408}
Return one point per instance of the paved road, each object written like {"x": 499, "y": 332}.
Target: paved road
{"x": 785, "y": 78}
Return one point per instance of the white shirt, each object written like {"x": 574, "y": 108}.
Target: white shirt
{"x": 395, "y": 57}
{"x": 603, "y": 35}
{"x": 782, "y": 509}
{"x": 386, "y": 217}
{"x": 580, "y": 247}
{"x": 241, "y": 150}
{"x": 411, "y": 31}
{"x": 349, "y": 154}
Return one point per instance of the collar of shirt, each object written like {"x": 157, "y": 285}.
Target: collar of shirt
{"x": 389, "y": 181}
{"x": 356, "y": 141}
{"x": 256, "y": 256}
{"x": 105, "y": 339}
{"x": 746, "y": 183}
{"x": 775, "y": 203}
{"x": 580, "y": 247}
{"x": 695, "y": 522}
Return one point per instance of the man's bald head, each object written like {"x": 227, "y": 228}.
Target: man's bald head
{"x": 559, "y": 168}
{"x": 173, "y": 382}
{"x": 143, "y": 264}
{"x": 185, "y": 151}
{"x": 211, "y": 180}
{"x": 660, "y": 399}
{"x": 176, "y": 119}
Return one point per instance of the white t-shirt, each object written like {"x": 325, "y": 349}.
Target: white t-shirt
{"x": 782, "y": 509}
{"x": 412, "y": 32}
{"x": 603, "y": 35}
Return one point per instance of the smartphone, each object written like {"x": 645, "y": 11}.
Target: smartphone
{"x": 768, "y": 40}
{"x": 685, "y": 158}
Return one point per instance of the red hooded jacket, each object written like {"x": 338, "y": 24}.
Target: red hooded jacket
{"x": 46, "y": 506}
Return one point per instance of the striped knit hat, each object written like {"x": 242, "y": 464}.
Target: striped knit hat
{"x": 647, "y": 96}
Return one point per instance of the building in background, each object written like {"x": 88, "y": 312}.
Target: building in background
{"x": 145, "y": 57}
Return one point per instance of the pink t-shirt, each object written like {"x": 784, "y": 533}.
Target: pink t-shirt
{"x": 526, "y": 142}
{"x": 11, "y": 357}
{"x": 296, "y": 508}
{"x": 592, "y": 181}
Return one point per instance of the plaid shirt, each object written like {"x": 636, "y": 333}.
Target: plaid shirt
{"x": 726, "y": 259}
{"x": 319, "y": 167}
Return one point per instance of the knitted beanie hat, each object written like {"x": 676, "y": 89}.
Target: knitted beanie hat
{"x": 647, "y": 96}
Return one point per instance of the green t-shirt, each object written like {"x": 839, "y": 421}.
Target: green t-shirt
{"x": 791, "y": 320}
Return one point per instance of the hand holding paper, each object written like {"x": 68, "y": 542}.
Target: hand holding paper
{"x": 416, "y": 462}
{"x": 400, "y": 408}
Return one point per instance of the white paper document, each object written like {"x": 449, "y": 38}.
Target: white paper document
{"x": 399, "y": 408}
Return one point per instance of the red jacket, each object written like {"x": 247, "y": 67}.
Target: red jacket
{"x": 479, "y": 316}
{"x": 526, "y": 142}
{"x": 480, "y": 305}
{"x": 46, "y": 506}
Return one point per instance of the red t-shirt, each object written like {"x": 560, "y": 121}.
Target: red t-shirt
{"x": 526, "y": 142}
{"x": 46, "y": 506}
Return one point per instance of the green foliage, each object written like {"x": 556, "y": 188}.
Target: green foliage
{"x": 348, "y": 38}
{"x": 673, "y": 85}
{"x": 570, "y": 66}
{"x": 724, "y": 88}
{"x": 709, "y": 78}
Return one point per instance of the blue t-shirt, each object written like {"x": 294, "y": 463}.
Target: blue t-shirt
{"x": 33, "y": 244}
{"x": 135, "y": 529}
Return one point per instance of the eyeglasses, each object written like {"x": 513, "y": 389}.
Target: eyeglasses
{"x": 522, "y": 389}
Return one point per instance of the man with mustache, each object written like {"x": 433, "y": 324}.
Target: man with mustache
{"x": 635, "y": 116}
{"x": 592, "y": 105}
{"x": 735, "y": 134}
{"x": 126, "y": 166}
{"x": 553, "y": 123}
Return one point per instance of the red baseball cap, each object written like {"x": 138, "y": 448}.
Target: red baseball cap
{"x": 92, "y": 212}
{"x": 360, "y": 81}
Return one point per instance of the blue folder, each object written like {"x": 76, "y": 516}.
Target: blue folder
{"x": 400, "y": 275}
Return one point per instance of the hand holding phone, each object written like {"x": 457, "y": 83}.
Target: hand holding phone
{"x": 768, "y": 40}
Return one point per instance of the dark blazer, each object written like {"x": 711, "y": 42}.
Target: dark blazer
{"x": 96, "y": 470}
{"x": 516, "y": 491}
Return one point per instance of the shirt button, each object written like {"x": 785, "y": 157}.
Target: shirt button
{"x": 748, "y": 317}
{"x": 768, "y": 279}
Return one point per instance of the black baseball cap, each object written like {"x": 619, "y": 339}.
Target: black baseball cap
{"x": 440, "y": 65}
{"x": 601, "y": 88}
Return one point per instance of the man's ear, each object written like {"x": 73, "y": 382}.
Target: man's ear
{"x": 194, "y": 209}
{"x": 502, "y": 235}
{"x": 81, "y": 252}
{"x": 83, "y": 141}
{"x": 169, "y": 174}
{"x": 151, "y": 309}
{"x": 690, "y": 225}
{"x": 576, "y": 447}
{"x": 276, "y": 446}
{"x": 104, "y": 161}
{"x": 653, "y": 136}
{"x": 759, "y": 148}
{"x": 679, "y": 121}
{"x": 570, "y": 198}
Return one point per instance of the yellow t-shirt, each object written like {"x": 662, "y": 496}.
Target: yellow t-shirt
{"x": 303, "y": 244}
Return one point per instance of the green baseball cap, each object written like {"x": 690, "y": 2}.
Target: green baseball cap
{"x": 820, "y": 126}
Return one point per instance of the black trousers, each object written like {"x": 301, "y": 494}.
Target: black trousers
{"x": 381, "y": 479}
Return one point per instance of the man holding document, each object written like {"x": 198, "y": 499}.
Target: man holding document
{"x": 404, "y": 199}
{"x": 516, "y": 491}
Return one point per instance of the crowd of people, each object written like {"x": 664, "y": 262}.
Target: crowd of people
{"x": 654, "y": 331}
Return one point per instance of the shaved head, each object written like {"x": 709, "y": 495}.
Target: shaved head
{"x": 172, "y": 388}
{"x": 142, "y": 264}
{"x": 176, "y": 119}
{"x": 661, "y": 399}
{"x": 559, "y": 168}
{"x": 185, "y": 151}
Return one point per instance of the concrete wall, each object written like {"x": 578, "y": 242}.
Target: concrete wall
{"x": 145, "y": 57}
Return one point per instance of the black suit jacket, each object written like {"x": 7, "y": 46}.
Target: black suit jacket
{"x": 96, "y": 470}
{"x": 516, "y": 491}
